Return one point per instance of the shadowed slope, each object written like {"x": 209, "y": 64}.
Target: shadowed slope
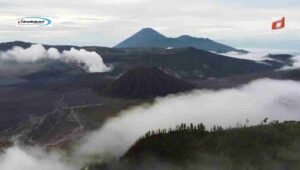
{"x": 143, "y": 82}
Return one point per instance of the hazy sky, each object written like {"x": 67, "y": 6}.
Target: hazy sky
{"x": 240, "y": 23}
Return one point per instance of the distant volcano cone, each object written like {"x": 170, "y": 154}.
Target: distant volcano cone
{"x": 150, "y": 38}
{"x": 141, "y": 38}
{"x": 144, "y": 82}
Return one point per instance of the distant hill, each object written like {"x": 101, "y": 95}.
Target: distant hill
{"x": 283, "y": 58}
{"x": 4, "y": 46}
{"x": 192, "y": 63}
{"x": 145, "y": 82}
{"x": 149, "y": 38}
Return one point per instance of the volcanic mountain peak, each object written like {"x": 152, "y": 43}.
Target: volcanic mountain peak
{"x": 144, "y": 35}
{"x": 150, "y": 32}
{"x": 146, "y": 82}
{"x": 149, "y": 38}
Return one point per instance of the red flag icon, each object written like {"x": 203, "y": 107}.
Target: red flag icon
{"x": 278, "y": 24}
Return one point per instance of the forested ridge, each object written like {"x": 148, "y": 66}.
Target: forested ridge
{"x": 265, "y": 146}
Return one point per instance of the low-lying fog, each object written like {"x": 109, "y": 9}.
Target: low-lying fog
{"x": 265, "y": 98}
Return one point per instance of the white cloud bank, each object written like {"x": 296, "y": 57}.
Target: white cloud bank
{"x": 18, "y": 158}
{"x": 277, "y": 100}
{"x": 255, "y": 56}
{"x": 296, "y": 60}
{"x": 91, "y": 60}
{"x": 259, "y": 54}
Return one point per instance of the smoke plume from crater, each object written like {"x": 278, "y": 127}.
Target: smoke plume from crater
{"x": 91, "y": 60}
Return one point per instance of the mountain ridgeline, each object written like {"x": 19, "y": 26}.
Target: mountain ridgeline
{"x": 192, "y": 63}
{"x": 187, "y": 63}
{"x": 149, "y": 38}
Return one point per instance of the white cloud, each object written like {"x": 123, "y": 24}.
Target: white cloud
{"x": 32, "y": 158}
{"x": 277, "y": 100}
{"x": 261, "y": 54}
{"x": 256, "y": 56}
{"x": 296, "y": 64}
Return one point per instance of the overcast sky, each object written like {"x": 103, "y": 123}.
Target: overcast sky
{"x": 240, "y": 23}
